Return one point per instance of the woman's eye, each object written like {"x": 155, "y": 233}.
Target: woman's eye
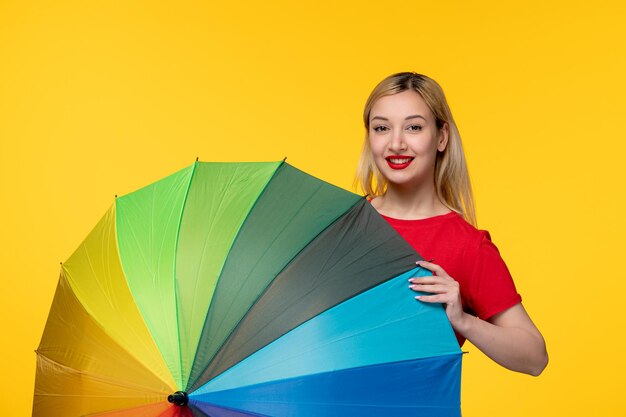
{"x": 380, "y": 128}
{"x": 415, "y": 128}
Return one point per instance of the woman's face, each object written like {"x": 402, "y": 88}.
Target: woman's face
{"x": 404, "y": 139}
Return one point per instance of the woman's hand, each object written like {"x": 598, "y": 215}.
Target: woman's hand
{"x": 444, "y": 290}
{"x": 510, "y": 337}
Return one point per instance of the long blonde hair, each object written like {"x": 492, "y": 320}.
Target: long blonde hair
{"x": 452, "y": 182}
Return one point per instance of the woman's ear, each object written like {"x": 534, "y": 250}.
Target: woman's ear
{"x": 443, "y": 138}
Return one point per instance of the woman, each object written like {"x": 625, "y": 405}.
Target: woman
{"x": 413, "y": 166}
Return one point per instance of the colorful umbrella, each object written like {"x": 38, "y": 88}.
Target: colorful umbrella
{"x": 244, "y": 289}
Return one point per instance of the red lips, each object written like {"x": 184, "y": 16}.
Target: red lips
{"x": 399, "y": 161}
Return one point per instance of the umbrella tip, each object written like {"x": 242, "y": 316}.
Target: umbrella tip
{"x": 284, "y": 159}
{"x": 115, "y": 195}
{"x": 197, "y": 157}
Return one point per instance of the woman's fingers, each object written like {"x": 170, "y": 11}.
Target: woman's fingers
{"x": 432, "y": 288}
{"x": 429, "y": 280}
{"x": 437, "y": 298}
{"x": 436, "y": 294}
{"x": 439, "y": 289}
{"x": 434, "y": 268}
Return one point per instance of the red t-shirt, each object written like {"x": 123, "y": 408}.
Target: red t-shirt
{"x": 467, "y": 255}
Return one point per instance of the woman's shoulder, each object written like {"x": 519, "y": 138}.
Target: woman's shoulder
{"x": 467, "y": 227}
{"x": 462, "y": 230}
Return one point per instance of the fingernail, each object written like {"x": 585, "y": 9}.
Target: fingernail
{"x": 417, "y": 297}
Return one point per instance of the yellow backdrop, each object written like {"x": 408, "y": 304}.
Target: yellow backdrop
{"x": 98, "y": 98}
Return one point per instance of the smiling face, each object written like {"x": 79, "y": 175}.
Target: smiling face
{"x": 404, "y": 139}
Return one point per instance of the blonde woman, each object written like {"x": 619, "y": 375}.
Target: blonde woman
{"x": 413, "y": 167}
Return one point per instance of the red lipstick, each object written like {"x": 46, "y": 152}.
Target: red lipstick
{"x": 399, "y": 161}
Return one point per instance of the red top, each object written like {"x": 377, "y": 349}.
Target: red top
{"x": 467, "y": 255}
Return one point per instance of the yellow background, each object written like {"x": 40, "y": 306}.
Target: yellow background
{"x": 98, "y": 98}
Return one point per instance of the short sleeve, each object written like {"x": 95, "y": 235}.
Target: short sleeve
{"x": 492, "y": 289}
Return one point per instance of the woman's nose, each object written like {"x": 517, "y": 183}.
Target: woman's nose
{"x": 398, "y": 142}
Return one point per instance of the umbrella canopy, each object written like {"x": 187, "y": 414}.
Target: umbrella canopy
{"x": 244, "y": 289}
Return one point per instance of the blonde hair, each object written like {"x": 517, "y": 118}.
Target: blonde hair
{"x": 452, "y": 182}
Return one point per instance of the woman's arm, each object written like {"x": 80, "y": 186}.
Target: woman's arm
{"x": 510, "y": 337}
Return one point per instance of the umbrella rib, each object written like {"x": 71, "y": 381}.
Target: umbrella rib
{"x": 175, "y": 275}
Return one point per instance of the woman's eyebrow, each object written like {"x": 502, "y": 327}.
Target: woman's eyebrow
{"x": 415, "y": 116}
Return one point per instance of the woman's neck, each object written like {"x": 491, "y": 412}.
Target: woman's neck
{"x": 410, "y": 203}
